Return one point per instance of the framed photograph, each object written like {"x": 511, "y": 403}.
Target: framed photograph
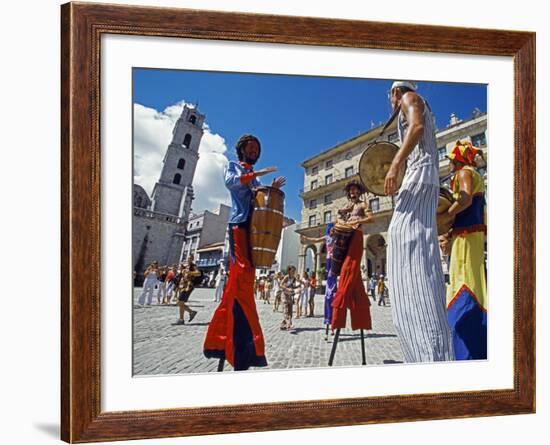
{"x": 173, "y": 118}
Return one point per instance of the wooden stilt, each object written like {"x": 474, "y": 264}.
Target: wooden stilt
{"x": 334, "y": 344}
{"x": 363, "y": 353}
{"x": 326, "y": 333}
{"x": 221, "y": 364}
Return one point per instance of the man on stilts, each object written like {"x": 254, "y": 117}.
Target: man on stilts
{"x": 351, "y": 290}
{"x": 234, "y": 333}
{"x": 414, "y": 265}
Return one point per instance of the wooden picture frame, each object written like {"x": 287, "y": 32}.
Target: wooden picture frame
{"x": 82, "y": 26}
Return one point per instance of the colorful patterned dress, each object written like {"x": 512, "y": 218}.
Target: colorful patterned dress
{"x": 332, "y": 280}
{"x": 467, "y": 292}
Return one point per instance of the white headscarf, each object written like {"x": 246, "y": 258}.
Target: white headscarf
{"x": 404, "y": 83}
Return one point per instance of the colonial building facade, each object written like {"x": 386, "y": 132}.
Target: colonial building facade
{"x": 205, "y": 237}
{"x": 159, "y": 221}
{"x": 326, "y": 174}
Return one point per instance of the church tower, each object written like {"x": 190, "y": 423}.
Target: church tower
{"x": 173, "y": 192}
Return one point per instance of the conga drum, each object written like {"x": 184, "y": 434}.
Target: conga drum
{"x": 342, "y": 237}
{"x": 445, "y": 201}
{"x": 374, "y": 165}
{"x": 266, "y": 225}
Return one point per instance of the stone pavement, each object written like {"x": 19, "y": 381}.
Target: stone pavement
{"x": 162, "y": 347}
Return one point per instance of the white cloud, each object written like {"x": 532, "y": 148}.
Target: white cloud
{"x": 153, "y": 133}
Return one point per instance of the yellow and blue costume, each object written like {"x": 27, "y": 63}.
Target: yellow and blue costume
{"x": 467, "y": 292}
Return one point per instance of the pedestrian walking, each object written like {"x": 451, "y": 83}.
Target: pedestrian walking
{"x": 372, "y": 287}
{"x": 187, "y": 284}
{"x": 220, "y": 284}
{"x": 268, "y": 289}
{"x": 301, "y": 309}
{"x": 261, "y": 288}
{"x": 277, "y": 291}
{"x": 168, "y": 285}
{"x": 381, "y": 290}
{"x": 311, "y": 300}
{"x": 289, "y": 284}
{"x": 149, "y": 284}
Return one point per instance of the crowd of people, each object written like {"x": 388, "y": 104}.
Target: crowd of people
{"x": 292, "y": 293}
{"x": 172, "y": 284}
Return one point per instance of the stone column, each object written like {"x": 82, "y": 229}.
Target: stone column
{"x": 300, "y": 267}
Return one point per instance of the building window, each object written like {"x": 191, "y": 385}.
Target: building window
{"x": 312, "y": 220}
{"x": 442, "y": 152}
{"x": 314, "y": 170}
{"x": 349, "y": 172}
{"x": 193, "y": 119}
{"x": 187, "y": 140}
{"x": 314, "y": 184}
{"x": 177, "y": 178}
{"x": 479, "y": 140}
{"x": 328, "y": 199}
{"x": 328, "y": 164}
{"x": 374, "y": 204}
{"x": 348, "y": 155}
{"x": 312, "y": 203}
{"x": 327, "y": 217}
{"x": 181, "y": 164}
{"x": 328, "y": 179}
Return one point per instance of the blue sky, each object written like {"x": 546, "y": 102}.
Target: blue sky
{"x": 295, "y": 117}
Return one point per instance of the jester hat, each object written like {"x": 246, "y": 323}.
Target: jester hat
{"x": 465, "y": 153}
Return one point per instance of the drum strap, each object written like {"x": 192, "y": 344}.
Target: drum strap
{"x": 390, "y": 120}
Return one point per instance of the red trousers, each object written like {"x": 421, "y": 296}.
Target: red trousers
{"x": 351, "y": 291}
{"x": 234, "y": 333}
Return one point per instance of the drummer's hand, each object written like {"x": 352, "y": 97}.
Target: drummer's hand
{"x": 279, "y": 182}
{"x": 390, "y": 184}
{"x": 265, "y": 171}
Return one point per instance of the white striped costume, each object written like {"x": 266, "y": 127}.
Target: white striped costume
{"x": 416, "y": 281}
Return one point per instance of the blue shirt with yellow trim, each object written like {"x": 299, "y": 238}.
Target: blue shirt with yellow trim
{"x": 241, "y": 194}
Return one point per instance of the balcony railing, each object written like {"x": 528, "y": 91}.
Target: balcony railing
{"x": 157, "y": 215}
{"x": 208, "y": 262}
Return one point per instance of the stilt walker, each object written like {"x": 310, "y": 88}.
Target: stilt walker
{"x": 351, "y": 293}
{"x": 234, "y": 333}
{"x": 331, "y": 280}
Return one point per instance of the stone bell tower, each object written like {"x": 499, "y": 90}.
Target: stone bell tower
{"x": 173, "y": 193}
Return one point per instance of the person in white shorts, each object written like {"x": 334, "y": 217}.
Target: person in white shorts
{"x": 149, "y": 283}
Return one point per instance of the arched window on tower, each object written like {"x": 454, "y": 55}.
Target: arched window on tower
{"x": 193, "y": 119}
{"x": 187, "y": 140}
{"x": 181, "y": 164}
{"x": 177, "y": 178}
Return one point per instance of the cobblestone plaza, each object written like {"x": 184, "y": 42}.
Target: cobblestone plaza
{"x": 161, "y": 347}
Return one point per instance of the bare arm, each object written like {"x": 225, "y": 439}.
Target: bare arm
{"x": 465, "y": 197}
{"x": 413, "y": 108}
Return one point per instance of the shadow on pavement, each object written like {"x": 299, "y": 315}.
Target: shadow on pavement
{"x": 350, "y": 337}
